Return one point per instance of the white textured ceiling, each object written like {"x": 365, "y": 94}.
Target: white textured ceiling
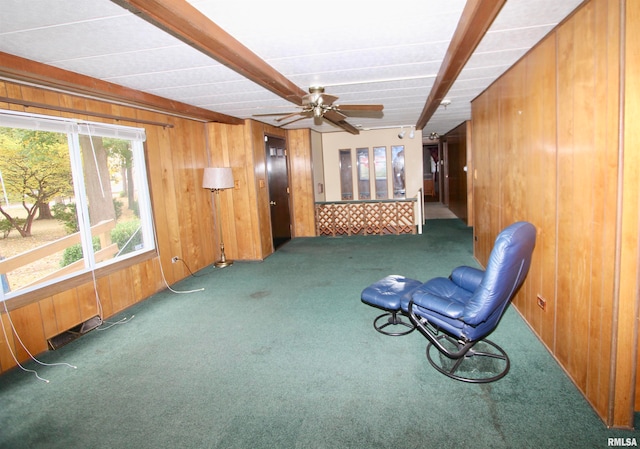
{"x": 383, "y": 53}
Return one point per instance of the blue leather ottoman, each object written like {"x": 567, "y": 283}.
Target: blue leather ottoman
{"x": 387, "y": 294}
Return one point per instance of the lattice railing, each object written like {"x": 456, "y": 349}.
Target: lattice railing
{"x": 365, "y": 217}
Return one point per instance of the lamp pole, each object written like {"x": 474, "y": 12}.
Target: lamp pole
{"x": 216, "y": 179}
{"x": 223, "y": 262}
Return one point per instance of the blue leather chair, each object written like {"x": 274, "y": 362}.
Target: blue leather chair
{"x": 457, "y": 313}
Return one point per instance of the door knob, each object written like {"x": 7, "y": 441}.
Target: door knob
{"x": 272, "y": 203}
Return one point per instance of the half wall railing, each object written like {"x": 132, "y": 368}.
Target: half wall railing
{"x": 366, "y": 217}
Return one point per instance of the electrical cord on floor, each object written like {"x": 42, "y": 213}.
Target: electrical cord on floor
{"x": 164, "y": 278}
{"x": 187, "y": 267}
{"x": 110, "y": 324}
{"x": 15, "y": 358}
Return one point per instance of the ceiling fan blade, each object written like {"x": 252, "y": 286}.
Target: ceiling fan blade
{"x": 363, "y": 114}
{"x": 304, "y": 116}
{"x": 271, "y": 114}
{"x": 344, "y": 125}
{"x": 288, "y": 116}
{"x": 328, "y": 99}
{"x": 334, "y": 116}
{"x": 360, "y": 107}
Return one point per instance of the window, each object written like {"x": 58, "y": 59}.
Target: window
{"x": 397, "y": 166}
{"x": 346, "y": 175}
{"x": 380, "y": 161}
{"x": 364, "y": 188}
{"x": 379, "y": 169}
{"x": 74, "y": 198}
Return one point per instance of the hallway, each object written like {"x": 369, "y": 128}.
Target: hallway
{"x": 435, "y": 210}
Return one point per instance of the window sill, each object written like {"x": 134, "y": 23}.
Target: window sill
{"x": 45, "y": 291}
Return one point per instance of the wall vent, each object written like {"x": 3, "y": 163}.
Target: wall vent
{"x": 75, "y": 332}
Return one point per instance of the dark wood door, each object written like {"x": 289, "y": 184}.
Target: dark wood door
{"x": 278, "y": 179}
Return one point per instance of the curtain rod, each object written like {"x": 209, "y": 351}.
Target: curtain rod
{"x": 33, "y": 104}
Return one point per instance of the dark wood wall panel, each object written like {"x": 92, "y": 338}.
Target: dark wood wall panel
{"x": 546, "y": 150}
{"x": 539, "y": 138}
{"x": 480, "y": 164}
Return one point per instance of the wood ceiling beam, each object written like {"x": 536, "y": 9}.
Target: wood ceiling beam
{"x": 25, "y": 70}
{"x": 476, "y": 18}
{"x": 192, "y": 27}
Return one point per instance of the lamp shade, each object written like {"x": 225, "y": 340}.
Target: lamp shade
{"x": 217, "y": 178}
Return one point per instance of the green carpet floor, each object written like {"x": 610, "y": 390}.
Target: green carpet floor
{"x": 282, "y": 354}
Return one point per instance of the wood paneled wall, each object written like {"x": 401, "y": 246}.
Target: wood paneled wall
{"x": 627, "y": 332}
{"x": 242, "y": 223}
{"x": 301, "y": 185}
{"x": 246, "y": 220}
{"x": 175, "y": 158}
{"x": 546, "y": 149}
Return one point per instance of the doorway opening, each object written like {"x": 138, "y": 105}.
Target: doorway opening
{"x": 278, "y": 179}
{"x": 431, "y": 157}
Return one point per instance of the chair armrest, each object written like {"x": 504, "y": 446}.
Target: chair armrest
{"x": 468, "y": 278}
{"x": 443, "y": 306}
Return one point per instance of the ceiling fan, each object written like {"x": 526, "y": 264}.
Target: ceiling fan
{"x": 321, "y": 106}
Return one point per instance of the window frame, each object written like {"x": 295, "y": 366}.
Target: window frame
{"x": 73, "y": 128}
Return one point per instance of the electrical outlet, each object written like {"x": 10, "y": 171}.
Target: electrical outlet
{"x": 175, "y": 259}
{"x": 542, "y": 303}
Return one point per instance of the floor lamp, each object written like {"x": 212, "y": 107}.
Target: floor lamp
{"x": 216, "y": 179}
